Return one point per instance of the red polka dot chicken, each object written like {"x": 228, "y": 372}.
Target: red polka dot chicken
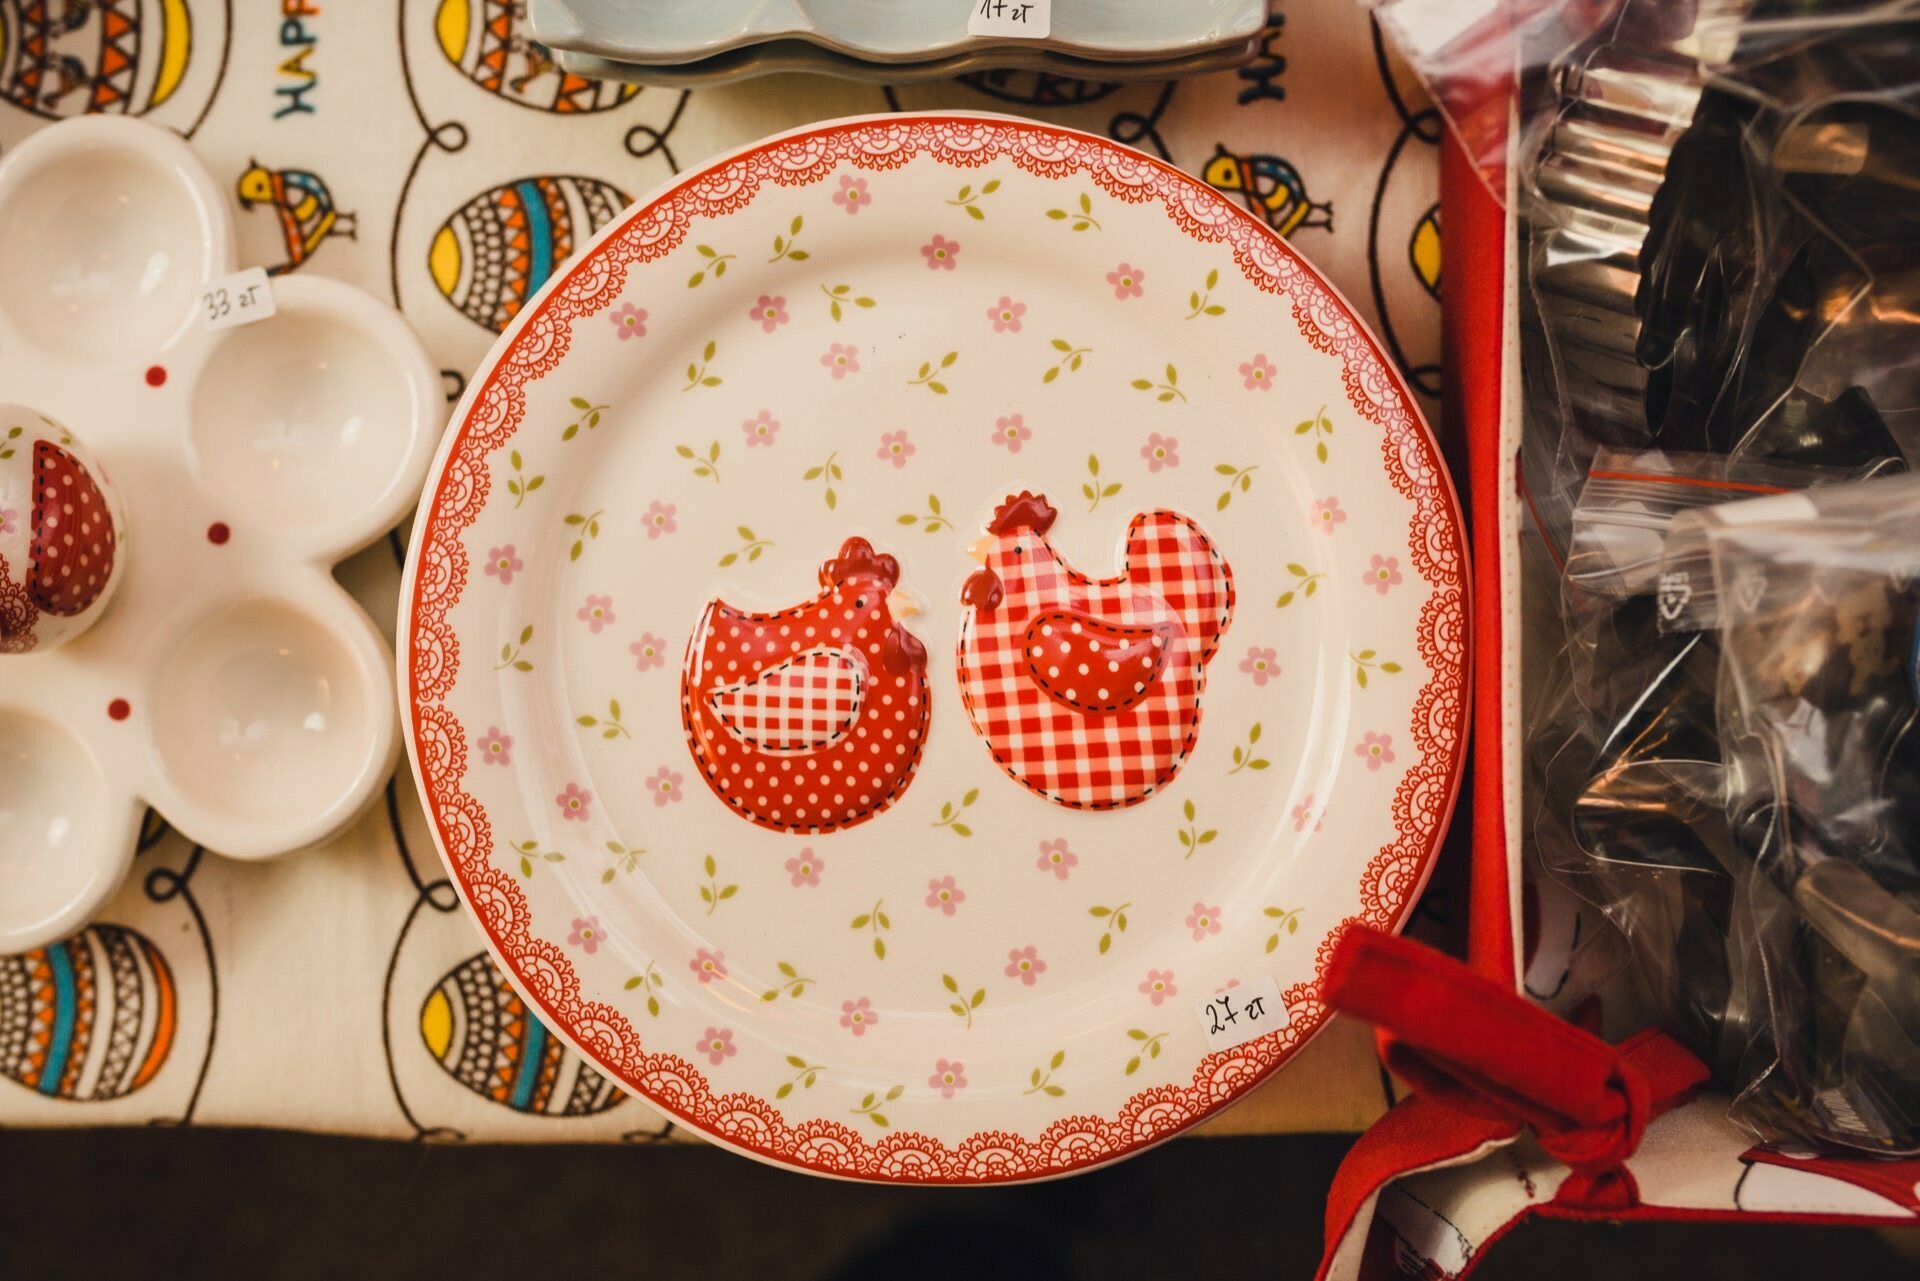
{"x": 1087, "y": 691}
{"x": 813, "y": 718}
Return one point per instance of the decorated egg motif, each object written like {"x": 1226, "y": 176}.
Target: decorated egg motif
{"x": 89, "y": 1018}
{"x": 482, "y": 1033}
{"x": 59, "y": 534}
{"x": 497, "y": 250}
{"x": 492, "y": 45}
{"x": 64, "y": 58}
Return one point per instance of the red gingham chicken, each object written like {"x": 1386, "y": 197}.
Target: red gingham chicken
{"x": 813, "y": 718}
{"x": 1087, "y": 691}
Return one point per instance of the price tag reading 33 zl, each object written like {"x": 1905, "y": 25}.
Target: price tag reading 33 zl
{"x": 238, "y": 299}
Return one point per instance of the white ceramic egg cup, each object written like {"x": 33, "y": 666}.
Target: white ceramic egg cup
{"x": 231, "y": 683}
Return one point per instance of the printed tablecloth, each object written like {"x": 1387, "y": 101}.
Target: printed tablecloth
{"x": 399, "y": 147}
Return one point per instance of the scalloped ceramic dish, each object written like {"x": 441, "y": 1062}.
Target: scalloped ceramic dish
{"x": 942, "y": 896}
{"x": 229, "y": 682}
{"x": 795, "y": 57}
{"x": 668, "y": 31}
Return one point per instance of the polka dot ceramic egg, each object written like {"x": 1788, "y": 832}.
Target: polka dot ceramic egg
{"x": 60, "y": 534}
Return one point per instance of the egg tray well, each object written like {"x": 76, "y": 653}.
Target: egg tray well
{"x": 230, "y": 682}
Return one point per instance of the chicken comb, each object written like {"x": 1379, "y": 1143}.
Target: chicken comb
{"x": 1023, "y": 510}
{"x": 857, "y": 559}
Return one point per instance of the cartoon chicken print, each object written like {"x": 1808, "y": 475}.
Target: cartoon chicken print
{"x": 813, "y": 718}
{"x": 1087, "y": 691}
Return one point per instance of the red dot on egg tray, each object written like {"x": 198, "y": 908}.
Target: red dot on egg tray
{"x": 156, "y": 375}
{"x": 119, "y": 709}
{"x": 218, "y": 533}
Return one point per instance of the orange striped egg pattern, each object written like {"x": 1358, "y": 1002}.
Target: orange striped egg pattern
{"x": 90, "y": 1018}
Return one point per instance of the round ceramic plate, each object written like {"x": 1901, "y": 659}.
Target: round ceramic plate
{"x": 1045, "y": 871}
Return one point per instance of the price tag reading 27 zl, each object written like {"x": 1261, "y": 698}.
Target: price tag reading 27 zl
{"x": 238, "y": 299}
{"x": 1014, "y": 19}
{"x": 1240, "y": 1014}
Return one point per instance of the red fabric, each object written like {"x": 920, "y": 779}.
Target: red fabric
{"x": 1473, "y": 307}
{"x": 1898, "y": 1181}
{"x": 1418, "y": 1133}
{"x": 1477, "y": 1046}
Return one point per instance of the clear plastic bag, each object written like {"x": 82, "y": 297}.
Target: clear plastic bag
{"x": 1627, "y": 775}
{"x": 1819, "y": 723}
{"x": 1718, "y": 206}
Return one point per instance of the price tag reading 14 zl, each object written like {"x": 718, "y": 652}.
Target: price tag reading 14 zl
{"x": 238, "y": 299}
{"x": 1016, "y": 19}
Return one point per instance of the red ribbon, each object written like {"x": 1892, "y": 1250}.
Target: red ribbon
{"x": 1477, "y": 1047}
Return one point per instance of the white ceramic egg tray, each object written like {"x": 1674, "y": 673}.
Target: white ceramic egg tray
{"x": 230, "y": 682}
{"x": 676, "y": 31}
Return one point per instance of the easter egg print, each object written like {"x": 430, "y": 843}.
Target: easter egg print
{"x": 125, "y": 56}
{"x": 495, "y": 251}
{"x": 498, "y": 248}
{"x": 89, "y": 1018}
{"x": 477, "y": 1028}
{"x": 492, "y": 44}
{"x": 812, "y": 718}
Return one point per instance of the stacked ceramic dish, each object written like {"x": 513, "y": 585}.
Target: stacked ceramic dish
{"x": 689, "y": 43}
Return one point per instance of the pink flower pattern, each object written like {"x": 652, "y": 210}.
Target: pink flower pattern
{"x": 596, "y": 613}
{"x": 1303, "y": 814}
{"x": 1158, "y": 986}
{"x": 708, "y": 965}
{"x": 648, "y": 652}
{"x": 665, "y": 783}
{"x": 1160, "y": 451}
{"x": 858, "y": 1016}
{"x": 770, "y": 312}
{"x": 805, "y": 867}
{"x": 576, "y": 803}
{"x": 1011, "y": 431}
{"x": 843, "y": 359}
{"x": 502, "y": 562}
{"x": 1327, "y": 513}
{"x": 1257, "y": 374}
{"x": 717, "y": 1044}
{"x": 948, "y": 1075}
{"x": 852, "y": 195}
{"x": 659, "y": 519}
{"x": 1382, "y": 574}
{"x": 1260, "y": 664}
{"x": 1006, "y": 314}
{"x": 944, "y": 894}
{"x": 1375, "y": 749}
{"x": 8, "y": 519}
{"x": 1203, "y": 920}
{"x": 495, "y": 748}
{"x": 1126, "y": 280}
{"x": 1055, "y": 857}
{"x": 630, "y": 320}
{"x": 895, "y": 448}
{"x": 940, "y": 253}
{"x": 760, "y": 429}
{"x": 586, "y": 934}
{"x": 1024, "y": 963}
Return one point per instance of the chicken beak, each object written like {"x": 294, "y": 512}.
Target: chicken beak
{"x": 981, "y": 547}
{"x": 901, "y": 604}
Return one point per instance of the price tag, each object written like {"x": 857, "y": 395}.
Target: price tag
{"x": 1239, "y": 1014}
{"x": 239, "y": 299}
{"x": 1016, "y": 19}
